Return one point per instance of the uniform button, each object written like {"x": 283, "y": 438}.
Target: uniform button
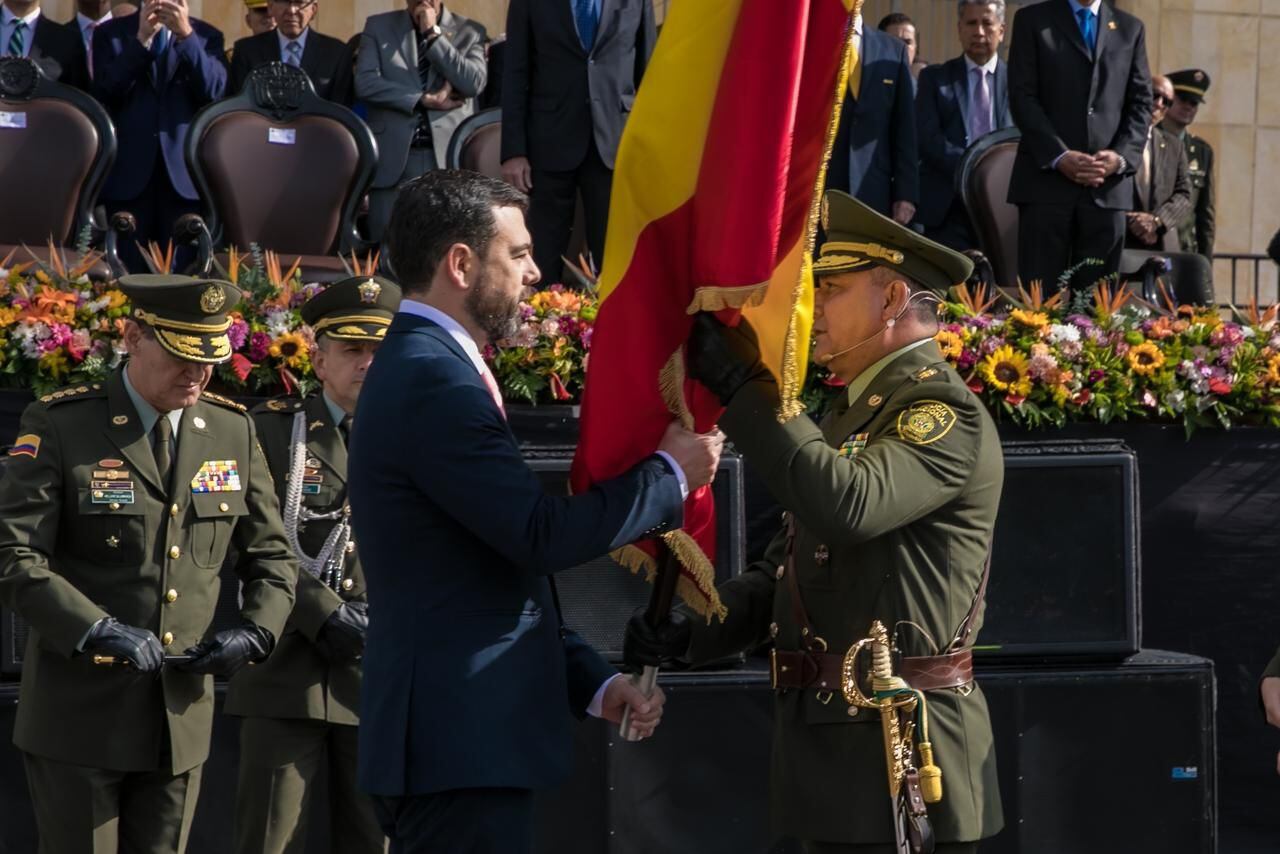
{"x": 175, "y": 552}
{"x": 173, "y": 510}
{"x": 351, "y": 547}
{"x": 171, "y": 595}
{"x": 166, "y": 638}
{"x": 114, "y": 505}
{"x": 773, "y": 630}
{"x": 223, "y": 507}
{"x": 782, "y": 570}
{"x": 347, "y": 584}
{"x": 852, "y": 711}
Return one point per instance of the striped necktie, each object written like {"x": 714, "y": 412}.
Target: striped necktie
{"x": 18, "y": 41}
{"x": 293, "y": 54}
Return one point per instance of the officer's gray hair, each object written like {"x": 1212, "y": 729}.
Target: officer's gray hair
{"x": 998, "y": 4}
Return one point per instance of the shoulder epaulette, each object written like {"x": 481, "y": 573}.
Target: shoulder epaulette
{"x": 74, "y": 392}
{"x": 932, "y": 372}
{"x": 280, "y": 404}
{"x": 224, "y": 401}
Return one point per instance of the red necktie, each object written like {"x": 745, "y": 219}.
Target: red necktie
{"x": 491, "y": 383}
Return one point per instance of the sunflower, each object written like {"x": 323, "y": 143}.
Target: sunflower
{"x": 1029, "y": 319}
{"x": 291, "y": 348}
{"x": 951, "y": 344}
{"x": 1145, "y": 359}
{"x": 1006, "y": 369}
{"x": 1272, "y": 376}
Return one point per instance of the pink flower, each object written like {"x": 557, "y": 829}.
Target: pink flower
{"x": 79, "y": 344}
{"x": 259, "y": 346}
{"x": 1217, "y": 386}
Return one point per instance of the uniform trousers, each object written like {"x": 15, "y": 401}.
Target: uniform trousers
{"x": 83, "y": 810}
{"x": 1053, "y": 238}
{"x": 552, "y": 203}
{"x": 280, "y": 764}
{"x": 421, "y": 160}
{"x": 459, "y": 821}
{"x": 843, "y": 848}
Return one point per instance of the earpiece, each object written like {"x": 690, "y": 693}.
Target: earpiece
{"x": 891, "y": 321}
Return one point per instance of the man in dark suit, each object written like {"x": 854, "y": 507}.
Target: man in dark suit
{"x": 90, "y": 14}
{"x": 25, "y": 31}
{"x": 293, "y": 42}
{"x": 571, "y": 70}
{"x": 153, "y": 70}
{"x": 418, "y": 72}
{"x": 1080, "y": 92}
{"x": 470, "y": 677}
{"x": 960, "y": 101}
{"x": 875, "y": 157}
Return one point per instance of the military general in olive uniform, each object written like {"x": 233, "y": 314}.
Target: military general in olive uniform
{"x": 891, "y": 506}
{"x": 1189, "y": 89}
{"x": 120, "y": 503}
{"x": 301, "y": 707}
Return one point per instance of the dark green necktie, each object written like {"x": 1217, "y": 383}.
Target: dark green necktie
{"x": 163, "y": 448}
{"x": 345, "y": 427}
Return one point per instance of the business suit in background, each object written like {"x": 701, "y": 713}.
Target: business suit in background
{"x": 572, "y": 68}
{"x": 875, "y": 157}
{"x": 413, "y": 139}
{"x": 90, "y": 14}
{"x": 1071, "y": 102}
{"x": 152, "y": 92}
{"x": 47, "y": 43}
{"x": 952, "y": 112}
{"x": 326, "y": 60}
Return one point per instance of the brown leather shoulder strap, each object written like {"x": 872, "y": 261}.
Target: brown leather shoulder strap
{"x": 961, "y": 638}
{"x": 798, "y": 612}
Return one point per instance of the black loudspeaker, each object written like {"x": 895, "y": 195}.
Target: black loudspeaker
{"x": 1110, "y": 759}
{"x": 599, "y": 596}
{"x": 1065, "y": 566}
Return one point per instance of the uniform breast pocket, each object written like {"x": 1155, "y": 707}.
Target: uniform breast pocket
{"x": 216, "y": 515}
{"x": 112, "y": 533}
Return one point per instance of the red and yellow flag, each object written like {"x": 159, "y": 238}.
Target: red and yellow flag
{"x": 715, "y": 204}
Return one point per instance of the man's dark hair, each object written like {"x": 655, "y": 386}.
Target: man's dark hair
{"x": 437, "y": 210}
{"x": 894, "y": 18}
{"x": 922, "y": 302}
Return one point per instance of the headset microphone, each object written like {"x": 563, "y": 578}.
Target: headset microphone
{"x": 888, "y": 324}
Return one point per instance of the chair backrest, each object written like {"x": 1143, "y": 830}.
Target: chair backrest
{"x": 281, "y": 167}
{"x": 983, "y": 183}
{"x": 56, "y": 146}
{"x": 476, "y": 144}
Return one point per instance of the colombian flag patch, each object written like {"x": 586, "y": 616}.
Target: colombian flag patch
{"x": 26, "y": 446}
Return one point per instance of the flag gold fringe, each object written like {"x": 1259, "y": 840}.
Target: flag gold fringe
{"x": 698, "y": 591}
{"x": 718, "y": 299}
{"x": 789, "y": 394}
{"x": 671, "y": 387}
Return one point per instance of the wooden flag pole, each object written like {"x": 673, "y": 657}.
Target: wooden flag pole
{"x": 660, "y": 600}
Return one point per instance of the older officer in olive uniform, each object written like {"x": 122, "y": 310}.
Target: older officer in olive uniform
{"x": 301, "y": 707}
{"x": 891, "y": 508}
{"x": 1189, "y": 89}
{"x": 121, "y": 500}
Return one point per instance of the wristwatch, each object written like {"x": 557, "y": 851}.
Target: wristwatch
{"x": 434, "y": 32}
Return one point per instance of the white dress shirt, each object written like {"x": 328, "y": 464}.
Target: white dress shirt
{"x": 87, "y": 26}
{"x": 284, "y": 45}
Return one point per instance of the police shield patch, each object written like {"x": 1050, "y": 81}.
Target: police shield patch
{"x": 925, "y": 421}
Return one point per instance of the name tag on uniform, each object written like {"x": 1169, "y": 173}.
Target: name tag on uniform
{"x": 217, "y": 476}
{"x": 111, "y": 496}
{"x": 310, "y": 489}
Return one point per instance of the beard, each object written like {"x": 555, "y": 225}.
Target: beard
{"x": 497, "y": 314}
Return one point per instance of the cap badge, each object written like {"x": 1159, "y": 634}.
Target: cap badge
{"x": 826, "y": 214}
{"x": 212, "y": 299}
{"x": 369, "y": 291}
{"x": 1199, "y": 76}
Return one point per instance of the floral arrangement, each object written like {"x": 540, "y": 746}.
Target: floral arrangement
{"x": 546, "y": 360}
{"x": 1103, "y": 355}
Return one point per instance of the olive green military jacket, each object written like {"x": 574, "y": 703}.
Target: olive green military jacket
{"x": 895, "y": 499}
{"x": 87, "y": 531}
{"x": 297, "y": 681}
{"x": 1196, "y": 232}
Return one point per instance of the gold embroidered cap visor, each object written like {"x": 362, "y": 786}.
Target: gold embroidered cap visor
{"x": 188, "y": 314}
{"x": 857, "y": 238}
{"x": 355, "y": 309}
{"x": 255, "y": 4}
{"x": 1192, "y": 84}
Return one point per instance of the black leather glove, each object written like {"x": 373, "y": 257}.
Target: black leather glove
{"x": 342, "y": 637}
{"x": 137, "y": 646}
{"x": 649, "y": 646}
{"x": 229, "y": 650}
{"x": 723, "y": 358}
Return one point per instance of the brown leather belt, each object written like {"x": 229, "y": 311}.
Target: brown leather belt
{"x": 823, "y": 671}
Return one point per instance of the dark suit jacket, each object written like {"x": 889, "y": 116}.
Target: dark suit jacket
{"x": 556, "y": 96}
{"x": 152, "y": 115}
{"x": 1063, "y": 99}
{"x": 942, "y": 122}
{"x": 1169, "y": 196}
{"x": 59, "y": 52}
{"x": 469, "y": 679}
{"x": 326, "y": 60}
{"x": 875, "y": 157}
